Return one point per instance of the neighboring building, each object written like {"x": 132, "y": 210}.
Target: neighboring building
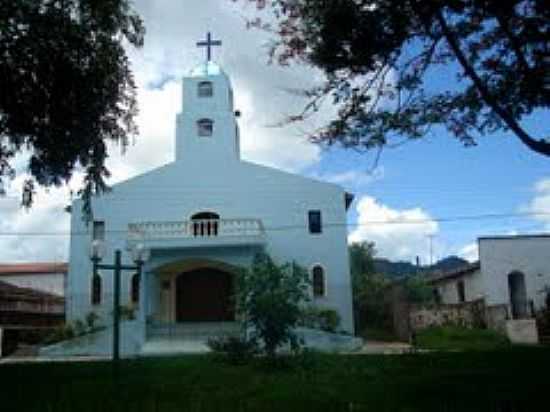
{"x": 46, "y": 277}
{"x": 459, "y": 285}
{"x": 512, "y": 271}
{"x": 26, "y": 315}
{"x": 203, "y": 217}
{"x": 24, "y": 307}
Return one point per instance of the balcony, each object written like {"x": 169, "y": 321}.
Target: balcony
{"x": 197, "y": 233}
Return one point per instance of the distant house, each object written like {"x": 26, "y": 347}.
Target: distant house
{"x": 29, "y": 307}
{"x": 512, "y": 271}
{"x": 46, "y": 277}
{"x": 26, "y": 314}
{"x": 460, "y": 285}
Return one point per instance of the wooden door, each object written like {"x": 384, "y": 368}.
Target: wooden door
{"x": 204, "y": 295}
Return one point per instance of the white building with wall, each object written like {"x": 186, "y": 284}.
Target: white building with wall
{"x": 203, "y": 217}
{"x": 512, "y": 271}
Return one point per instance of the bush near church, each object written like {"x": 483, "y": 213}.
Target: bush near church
{"x": 324, "y": 319}
{"x": 270, "y": 298}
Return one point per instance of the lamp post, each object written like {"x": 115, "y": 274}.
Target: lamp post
{"x": 140, "y": 255}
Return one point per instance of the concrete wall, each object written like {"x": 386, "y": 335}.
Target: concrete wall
{"x": 470, "y": 314}
{"x": 231, "y": 188}
{"x": 46, "y": 282}
{"x": 529, "y": 255}
{"x": 522, "y": 331}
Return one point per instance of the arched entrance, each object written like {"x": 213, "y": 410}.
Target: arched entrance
{"x": 518, "y": 295}
{"x": 204, "y": 295}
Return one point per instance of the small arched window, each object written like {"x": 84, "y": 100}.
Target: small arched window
{"x": 134, "y": 288}
{"x": 319, "y": 286}
{"x": 205, "y": 89}
{"x": 205, "y": 127}
{"x": 96, "y": 289}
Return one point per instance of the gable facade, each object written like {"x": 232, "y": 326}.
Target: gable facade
{"x": 206, "y": 215}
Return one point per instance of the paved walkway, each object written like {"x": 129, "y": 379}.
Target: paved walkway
{"x": 162, "y": 347}
{"x": 384, "y": 348}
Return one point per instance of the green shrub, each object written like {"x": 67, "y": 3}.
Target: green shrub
{"x": 57, "y": 335}
{"x": 68, "y": 331}
{"x": 91, "y": 321}
{"x": 79, "y": 327}
{"x": 237, "y": 350}
{"x": 270, "y": 299}
{"x": 460, "y": 338}
{"x": 314, "y": 317}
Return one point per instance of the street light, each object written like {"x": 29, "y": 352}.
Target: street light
{"x": 97, "y": 250}
{"x": 140, "y": 255}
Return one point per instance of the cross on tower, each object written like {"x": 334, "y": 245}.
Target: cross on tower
{"x": 208, "y": 44}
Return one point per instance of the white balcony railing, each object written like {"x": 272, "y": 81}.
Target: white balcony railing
{"x": 208, "y": 228}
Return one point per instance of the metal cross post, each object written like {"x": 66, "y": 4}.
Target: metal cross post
{"x": 117, "y": 267}
{"x": 208, "y": 44}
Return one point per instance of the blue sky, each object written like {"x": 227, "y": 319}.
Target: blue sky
{"x": 432, "y": 178}
{"x": 446, "y": 179}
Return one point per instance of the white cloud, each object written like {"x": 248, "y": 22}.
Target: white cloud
{"x": 541, "y": 202}
{"x": 394, "y": 240}
{"x": 20, "y": 241}
{"x": 352, "y": 178}
{"x": 470, "y": 252}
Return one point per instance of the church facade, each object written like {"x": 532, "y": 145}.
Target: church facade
{"x": 203, "y": 217}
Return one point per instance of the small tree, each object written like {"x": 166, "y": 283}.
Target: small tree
{"x": 270, "y": 298}
{"x": 419, "y": 290}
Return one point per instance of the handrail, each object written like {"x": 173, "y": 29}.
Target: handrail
{"x": 199, "y": 228}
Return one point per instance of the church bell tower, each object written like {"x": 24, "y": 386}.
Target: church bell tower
{"x": 206, "y": 128}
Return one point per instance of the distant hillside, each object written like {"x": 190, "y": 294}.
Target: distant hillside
{"x": 401, "y": 269}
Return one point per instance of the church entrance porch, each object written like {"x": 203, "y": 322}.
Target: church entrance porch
{"x": 192, "y": 290}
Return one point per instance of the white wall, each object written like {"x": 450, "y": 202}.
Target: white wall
{"x": 527, "y": 254}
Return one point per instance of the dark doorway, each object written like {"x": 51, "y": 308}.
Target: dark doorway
{"x": 518, "y": 295}
{"x": 204, "y": 295}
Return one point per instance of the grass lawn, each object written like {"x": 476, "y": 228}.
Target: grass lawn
{"x": 458, "y": 338}
{"x": 508, "y": 380}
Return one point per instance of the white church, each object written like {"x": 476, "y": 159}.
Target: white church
{"x": 202, "y": 218}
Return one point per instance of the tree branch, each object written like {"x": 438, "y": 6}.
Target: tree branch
{"x": 539, "y": 146}
{"x": 505, "y": 27}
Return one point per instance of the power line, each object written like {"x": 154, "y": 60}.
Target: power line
{"x": 447, "y": 219}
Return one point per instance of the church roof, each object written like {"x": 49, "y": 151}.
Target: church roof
{"x": 207, "y": 69}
